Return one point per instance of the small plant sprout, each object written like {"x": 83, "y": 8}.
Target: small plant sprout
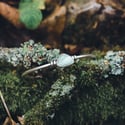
{"x": 64, "y": 60}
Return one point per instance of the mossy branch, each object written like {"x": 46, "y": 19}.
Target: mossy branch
{"x": 88, "y": 88}
{"x": 45, "y": 109}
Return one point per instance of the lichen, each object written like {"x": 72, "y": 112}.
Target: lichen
{"x": 28, "y": 54}
{"x": 113, "y": 63}
{"x": 87, "y": 92}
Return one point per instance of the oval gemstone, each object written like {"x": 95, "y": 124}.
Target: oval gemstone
{"x": 64, "y": 60}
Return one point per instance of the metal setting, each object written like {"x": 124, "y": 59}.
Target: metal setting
{"x": 59, "y": 65}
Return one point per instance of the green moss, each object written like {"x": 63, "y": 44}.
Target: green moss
{"x": 79, "y": 94}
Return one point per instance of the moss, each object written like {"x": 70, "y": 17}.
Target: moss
{"x": 87, "y": 92}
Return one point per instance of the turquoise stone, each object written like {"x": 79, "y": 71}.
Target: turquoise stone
{"x": 64, "y": 60}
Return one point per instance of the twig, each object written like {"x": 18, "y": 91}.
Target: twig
{"x": 5, "y": 106}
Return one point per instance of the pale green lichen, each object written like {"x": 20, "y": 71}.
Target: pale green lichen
{"x": 78, "y": 94}
{"x": 114, "y": 63}
{"x": 28, "y": 54}
{"x": 60, "y": 91}
{"x": 31, "y": 53}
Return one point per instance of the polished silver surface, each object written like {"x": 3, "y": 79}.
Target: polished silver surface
{"x": 55, "y": 63}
